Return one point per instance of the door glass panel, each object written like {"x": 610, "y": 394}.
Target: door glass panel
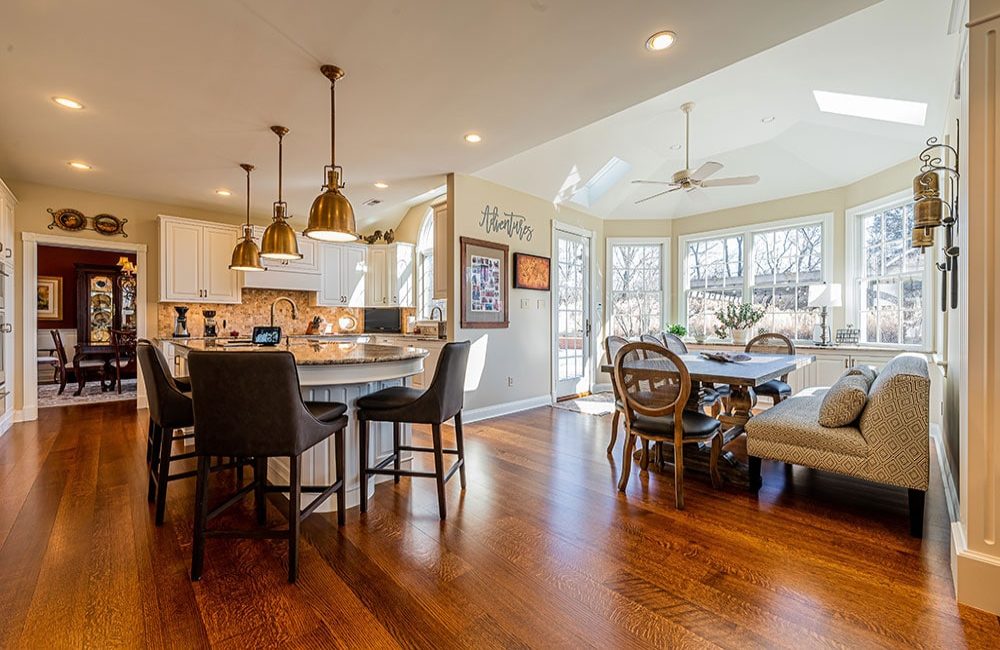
{"x": 101, "y": 305}
{"x": 571, "y": 319}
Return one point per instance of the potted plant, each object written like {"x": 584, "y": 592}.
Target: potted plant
{"x": 678, "y": 330}
{"x": 737, "y": 318}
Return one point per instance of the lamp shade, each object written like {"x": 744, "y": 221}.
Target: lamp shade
{"x": 824, "y": 295}
{"x": 331, "y": 217}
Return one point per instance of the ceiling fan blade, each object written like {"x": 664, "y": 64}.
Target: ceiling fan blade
{"x": 705, "y": 171}
{"x": 672, "y": 189}
{"x": 655, "y": 182}
{"x": 735, "y": 180}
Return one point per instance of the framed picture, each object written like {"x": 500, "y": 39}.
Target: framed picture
{"x": 484, "y": 284}
{"x": 531, "y": 272}
{"x": 49, "y": 298}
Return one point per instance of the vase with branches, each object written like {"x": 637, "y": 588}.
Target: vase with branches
{"x": 736, "y": 318}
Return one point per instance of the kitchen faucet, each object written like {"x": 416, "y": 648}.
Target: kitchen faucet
{"x": 440, "y": 312}
{"x": 295, "y": 309}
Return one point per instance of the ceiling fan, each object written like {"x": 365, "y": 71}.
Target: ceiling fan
{"x": 689, "y": 180}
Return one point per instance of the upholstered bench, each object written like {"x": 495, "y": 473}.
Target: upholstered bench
{"x": 889, "y": 442}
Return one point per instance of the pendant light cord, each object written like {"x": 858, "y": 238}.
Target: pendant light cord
{"x": 280, "y": 159}
{"x": 248, "y": 198}
{"x": 333, "y": 123}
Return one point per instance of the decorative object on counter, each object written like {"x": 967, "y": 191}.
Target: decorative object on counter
{"x": 246, "y": 255}
{"x": 678, "y": 330}
{"x": 699, "y": 337}
{"x": 347, "y": 323}
{"x": 181, "y": 322}
{"x": 737, "y": 318}
{"x": 824, "y": 296}
{"x": 389, "y": 236}
{"x": 511, "y": 224}
{"x": 278, "y": 242}
{"x": 316, "y": 325}
{"x": 234, "y": 334}
{"x": 331, "y": 217}
{"x": 72, "y": 220}
{"x": 211, "y": 331}
{"x": 532, "y": 272}
{"x": 930, "y": 213}
{"x": 848, "y": 336}
{"x": 726, "y": 357}
{"x": 373, "y": 238}
{"x": 49, "y": 298}
{"x": 484, "y": 284}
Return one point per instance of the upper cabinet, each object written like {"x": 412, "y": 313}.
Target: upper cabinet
{"x": 343, "y": 268}
{"x": 390, "y": 275}
{"x": 194, "y": 261}
{"x": 7, "y": 202}
{"x": 295, "y": 275}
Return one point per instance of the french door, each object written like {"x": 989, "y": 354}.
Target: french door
{"x": 572, "y": 320}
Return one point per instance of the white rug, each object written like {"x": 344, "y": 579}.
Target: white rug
{"x": 48, "y": 397}
{"x": 597, "y": 404}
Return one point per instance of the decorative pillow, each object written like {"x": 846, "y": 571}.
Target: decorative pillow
{"x": 865, "y": 371}
{"x": 844, "y": 402}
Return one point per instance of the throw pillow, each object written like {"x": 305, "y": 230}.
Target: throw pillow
{"x": 865, "y": 371}
{"x": 844, "y": 402}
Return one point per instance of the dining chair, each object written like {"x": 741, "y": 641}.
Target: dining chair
{"x": 674, "y": 343}
{"x": 773, "y": 343}
{"x": 611, "y": 346}
{"x": 124, "y": 343}
{"x": 710, "y": 397}
{"x": 64, "y": 368}
{"x": 655, "y": 387}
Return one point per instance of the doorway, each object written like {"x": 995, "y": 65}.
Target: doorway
{"x": 571, "y": 305}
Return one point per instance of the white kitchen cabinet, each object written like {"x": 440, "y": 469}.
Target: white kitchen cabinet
{"x": 309, "y": 248}
{"x": 7, "y": 314}
{"x": 343, "y": 275}
{"x": 441, "y": 252}
{"x": 376, "y": 289}
{"x": 390, "y": 275}
{"x": 194, "y": 261}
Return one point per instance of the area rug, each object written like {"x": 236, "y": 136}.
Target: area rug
{"x": 48, "y": 397}
{"x": 597, "y": 404}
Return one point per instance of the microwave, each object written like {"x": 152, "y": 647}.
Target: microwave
{"x": 383, "y": 320}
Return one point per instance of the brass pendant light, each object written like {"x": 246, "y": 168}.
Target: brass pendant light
{"x": 278, "y": 242}
{"x": 331, "y": 217}
{"x": 246, "y": 255}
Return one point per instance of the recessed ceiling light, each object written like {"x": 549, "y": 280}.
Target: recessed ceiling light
{"x": 76, "y": 164}
{"x": 660, "y": 41}
{"x": 675, "y": 147}
{"x": 66, "y": 102}
{"x": 768, "y": 119}
{"x": 473, "y": 138}
{"x": 381, "y": 185}
{"x": 223, "y": 192}
{"x": 874, "y": 108}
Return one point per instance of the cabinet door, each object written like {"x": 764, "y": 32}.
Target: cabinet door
{"x": 331, "y": 258}
{"x": 874, "y": 360}
{"x": 7, "y": 231}
{"x": 354, "y": 275}
{"x": 401, "y": 282}
{"x": 375, "y": 284}
{"x": 441, "y": 252}
{"x": 219, "y": 283}
{"x": 829, "y": 370}
{"x": 181, "y": 261}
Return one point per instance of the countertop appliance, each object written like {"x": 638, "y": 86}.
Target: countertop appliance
{"x": 383, "y": 320}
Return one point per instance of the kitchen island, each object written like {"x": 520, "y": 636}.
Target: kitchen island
{"x": 330, "y": 371}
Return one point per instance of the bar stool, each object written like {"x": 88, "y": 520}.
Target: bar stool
{"x": 249, "y": 404}
{"x": 441, "y": 401}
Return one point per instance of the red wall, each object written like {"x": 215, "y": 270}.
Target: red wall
{"x": 54, "y": 261}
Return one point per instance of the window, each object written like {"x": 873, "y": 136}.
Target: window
{"x": 771, "y": 266}
{"x": 425, "y": 269}
{"x": 638, "y": 278}
{"x": 890, "y": 283}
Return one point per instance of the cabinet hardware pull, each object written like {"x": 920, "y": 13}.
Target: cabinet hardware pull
{"x": 7, "y": 328}
{"x": 9, "y": 253}
{"x": 4, "y": 393}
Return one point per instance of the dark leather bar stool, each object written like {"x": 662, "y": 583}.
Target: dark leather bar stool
{"x": 401, "y": 404}
{"x": 249, "y": 405}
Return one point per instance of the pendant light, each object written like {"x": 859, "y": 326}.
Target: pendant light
{"x": 331, "y": 217}
{"x": 278, "y": 242}
{"x": 246, "y": 255}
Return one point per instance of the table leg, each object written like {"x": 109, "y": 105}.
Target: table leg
{"x": 80, "y": 380}
{"x": 742, "y": 399}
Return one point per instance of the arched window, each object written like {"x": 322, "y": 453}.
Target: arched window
{"x": 425, "y": 268}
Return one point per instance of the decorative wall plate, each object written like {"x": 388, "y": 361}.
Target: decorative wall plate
{"x": 109, "y": 225}
{"x": 68, "y": 219}
{"x": 74, "y": 221}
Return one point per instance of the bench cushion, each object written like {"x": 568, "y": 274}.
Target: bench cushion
{"x": 795, "y": 422}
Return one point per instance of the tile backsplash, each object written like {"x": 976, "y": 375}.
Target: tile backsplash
{"x": 256, "y": 310}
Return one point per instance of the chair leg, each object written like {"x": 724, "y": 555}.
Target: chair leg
{"x": 755, "y": 478}
{"x": 62, "y": 382}
{"x": 200, "y": 518}
{"x": 260, "y": 483}
{"x": 679, "y": 475}
{"x": 294, "y": 516}
{"x": 439, "y": 470}
{"x": 644, "y": 459}
{"x": 162, "y": 477}
{"x": 626, "y": 461}
{"x": 460, "y": 445}
{"x": 916, "y": 499}
{"x": 395, "y": 449}
{"x": 713, "y": 463}
{"x": 614, "y": 430}
{"x": 338, "y": 451}
{"x": 363, "y": 462}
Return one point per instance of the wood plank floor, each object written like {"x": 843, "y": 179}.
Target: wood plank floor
{"x": 540, "y": 551}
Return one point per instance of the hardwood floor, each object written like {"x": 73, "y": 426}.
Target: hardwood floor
{"x": 541, "y": 551}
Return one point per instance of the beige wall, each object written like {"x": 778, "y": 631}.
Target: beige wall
{"x": 31, "y": 216}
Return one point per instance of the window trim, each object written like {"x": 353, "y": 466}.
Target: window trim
{"x": 666, "y": 305}
{"x": 824, "y": 219}
{"x": 852, "y": 255}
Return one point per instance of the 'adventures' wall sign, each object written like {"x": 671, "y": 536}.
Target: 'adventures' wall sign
{"x": 513, "y": 225}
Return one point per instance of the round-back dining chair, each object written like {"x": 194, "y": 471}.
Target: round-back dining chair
{"x": 773, "y": 343}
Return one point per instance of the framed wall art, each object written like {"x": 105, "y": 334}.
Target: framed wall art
{"x": 49, "y": 298}
{"x": 484, "y": 284}
{"x": 531, "y": 272}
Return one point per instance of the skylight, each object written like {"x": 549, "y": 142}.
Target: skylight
{"x": 873, "y": 108}
{"x": 607, "y": 177}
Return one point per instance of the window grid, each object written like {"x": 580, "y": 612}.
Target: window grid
{"x": 425, "y": 269}
{"x": 637, "y": 289}
{"x": 571, "y": 267}
{"x": 715, "y": 276}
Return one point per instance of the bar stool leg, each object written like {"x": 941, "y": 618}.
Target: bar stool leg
{"x": 149, "y": 441}
{"x": 162, "y": 477}
{"x": 294, "y": 517}
{"x": 338, "y": 450}
{"x": 460, "y": 445}
{"x": 439, "y": 470}
{"x": 363, "y": 458}
{"x": 154, "y": 463}
{"x": 200, "y": 518}
{"x": 260, "y": 482}
{"x": 395, "y": 450}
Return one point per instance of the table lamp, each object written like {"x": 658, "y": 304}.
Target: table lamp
{"x": 824, "y": 296}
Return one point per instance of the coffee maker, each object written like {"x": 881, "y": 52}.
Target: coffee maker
{"x": 181, "y": 322}
{"x": 210, "y": 329}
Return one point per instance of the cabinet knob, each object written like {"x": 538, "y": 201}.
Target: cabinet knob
{"x": 9, "y": 253}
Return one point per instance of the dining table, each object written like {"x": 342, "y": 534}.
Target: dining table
{"x": 102, "y": 350}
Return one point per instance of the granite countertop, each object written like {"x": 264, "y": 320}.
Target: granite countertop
{"x": 321, "y": 353}
{"x": 338, "y": 336}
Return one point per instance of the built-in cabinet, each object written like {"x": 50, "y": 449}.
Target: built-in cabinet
{"x": 7, "y": 203}
{"x": 294, "y": 275}
{"x": 390, "y": 281}
{"x": 343, "y": 269}
{"x": 194, "y": 261}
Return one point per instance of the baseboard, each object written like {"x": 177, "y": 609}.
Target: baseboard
{"x": 976, "y": 574}
{"x": 496, "y": 410}
{"x": 947, "y": 477}
{"x": 7, "y": 421}
{"x": 27, "y": 414}
{"x": 601, "y": 388}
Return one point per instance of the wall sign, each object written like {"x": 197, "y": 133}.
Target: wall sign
{"x": 511, "y": 224}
